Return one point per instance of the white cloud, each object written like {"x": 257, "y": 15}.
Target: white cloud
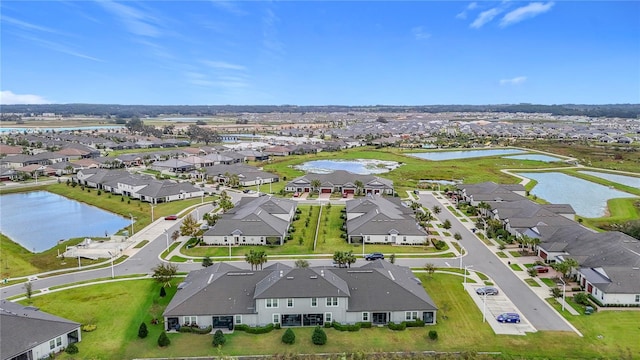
{"x": 463, "y": 14}
{"x": 223, "y": 65}
{"x": 9, "y": 98}
{"x": 137, "y": 22}
{"x": 515, "y": 81}
{"x": 59, "y": 47}
{"x": 525, "y": 12}
{"x": 419, "y": 33}
{"x": 229, "y": 6}
{"x": 485, "y": 17}
{"x": 28, "y": 26}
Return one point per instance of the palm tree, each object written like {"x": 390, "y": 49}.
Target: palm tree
{"x": 359, "y": 186}
{"x": 436, "y": 209}
{"x": 349, "y": 258}
{"x": 430, "y": 269}
{"x": 315, "y": 184}
{"x": 261, "y": 258}
{"x": 250, "y": 258}
{"x": 302, "y": 263}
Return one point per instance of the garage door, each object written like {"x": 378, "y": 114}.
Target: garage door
{"x": 349, "y": 191}
{"x": 326, "y": 191}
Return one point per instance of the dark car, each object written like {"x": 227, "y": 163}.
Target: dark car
{"x": 488, "y": 290}
{"x": 171, "y": 217}
{"x": 508, "y": 318}
{"x": 374, "y": 256}
{"x": 541, "y": 269}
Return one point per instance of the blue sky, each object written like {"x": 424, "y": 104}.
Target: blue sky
{"x": 320, "y": 52}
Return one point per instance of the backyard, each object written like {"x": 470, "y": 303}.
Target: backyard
{"x": 118, "y": 309}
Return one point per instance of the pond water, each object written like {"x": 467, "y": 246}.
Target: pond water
{"x": 620, "y": 179}
{"x": 38, "y": 220}
{"x": 536, "y": 157}
{"x": 588, "y": 199}
{"x": 359, "y": 166}
{"x": 464, "y": 154}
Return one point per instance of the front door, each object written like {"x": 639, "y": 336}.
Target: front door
{"x": 379, "y": 318}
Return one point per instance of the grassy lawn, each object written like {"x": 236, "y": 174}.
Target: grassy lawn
{"x": 119, "y": 308}
{"x": 141, "y": 244}
{"x": 501, "y": 255}
{"x": 549, "y": 282}
{"x": 531, "y": 282}
{"x": 515, "y": 254}
{"x": 515, "y": 267}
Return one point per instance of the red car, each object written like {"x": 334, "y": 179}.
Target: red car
{"x": 541, "y": 269}
{"x": 171, "y": 217}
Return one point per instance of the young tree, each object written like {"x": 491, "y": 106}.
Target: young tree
{"x": 436, "y": 209}
{"x": 206, "y": 261}
{"x": 315, "y": 183}
{"x": 302, "y": 263}
{"x": 289, "y": 337}
{"x": 430, "y": 269}
{"x": 319, "y": 337}
{"x": 457, "y": 236}
{"x": 392, "y": 258}
{"x": 28, "y": 288}
{"x": 446, "y": 224}
{"x": 189, "y": 227}
{"x": 163, "y": 340}
{"x": 359, "y": 186}
{"x": 142, "y": 330}
{"x": 218, "y": 338}
{"x": 349, "y": 258}
{"x": 163, "y": 292}
{"x": 175, "y": 235}
{"x": 164, "y": 273}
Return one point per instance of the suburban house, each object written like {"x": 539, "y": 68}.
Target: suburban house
{"x": 247, "y": 175}
{"x": 223, "y": 296}
{"x": 379, "y": 220}
{"x": 341, "y": 181}
{"x": 263, "y": 220}
{"x": 489, "y": 191}
{"x": 28, "y": 333}
{"x": 143, "y": 187}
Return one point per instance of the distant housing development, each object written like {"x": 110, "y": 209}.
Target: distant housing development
{"x": 341, "y": 181}
{"x": 223, "y": 296}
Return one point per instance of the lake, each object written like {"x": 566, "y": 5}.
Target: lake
{"x": 38, "y": 220}
{"x": 620, "y": 179}
{"x": 464, "y": 154}
{"x": 535, "y": 157}
{"x": 359, "y": 166}
{"x": 588, "y": 199}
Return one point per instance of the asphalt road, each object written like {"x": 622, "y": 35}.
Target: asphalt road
{"x": 536, "y": 310}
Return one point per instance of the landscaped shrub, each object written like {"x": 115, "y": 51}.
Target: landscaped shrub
{"x": 142, "y": 331}
{"x": 400, "y": 326}
{"x": 218, "y": 338}
{"x": 89, "y": 327}
{"x": 319, "y": 337}
{"x": 163, "y": 340}
{"x": 195, "y": 329}
{"x": 581, "y": 298}
{"x": 71, "y": 349}
{"x": 365, "y": 325}
{"x": 433, "y": 335}
{"x": 289, "y": 337}
{"x": 415, "y": 323}
{"x": 347, "y": 327}
{"x": 163, "y": 292}
{"x": 255, "y": 330}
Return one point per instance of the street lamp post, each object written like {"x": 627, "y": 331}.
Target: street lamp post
{"x": 563, "y": 291}
{"x": 484, "y": 307}
{"x": 112, "y": 273}
{"x": 362, "y": 237}
{"x": 259, "y": 182}
{"x": 131, "y": 215}
{"x": 466, "y": 268}
{"x": 166, "y": 233}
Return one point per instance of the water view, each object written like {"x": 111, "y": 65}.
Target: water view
{"x": 620, "y": 179}
{"x": 588, "y": 199}
{"x": 535, "y": 157}
{"x": 359, "y": 166}
{"x": 38, "y": 220}
{"x": 464, "y": 154}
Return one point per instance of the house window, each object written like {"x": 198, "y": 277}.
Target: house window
{"x": 272, "y": 303}
{"x": 190, "y": 319}
{"x": 368, "y": 238}
{"x": 637, "y": 298}
{"x": 386, "y": 238}
{"x": 332, "y": 301}
{"x": 225, "y": 239}
{"x": 289, "y": 303}
{"x": 52, "y": 344}
{"x": 365, "y": 316}
{"x": 314, "y": 302}
{"x": 410, "y": 315}
{"x": 328, "y": 317}
{"x": 404, "y": 238}
{"x": 238, "y": 319}
{"x": 276, "y": 318}
{"x": 59, "y": 341}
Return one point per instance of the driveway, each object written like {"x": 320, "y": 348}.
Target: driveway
{"x": 532, "y": 307}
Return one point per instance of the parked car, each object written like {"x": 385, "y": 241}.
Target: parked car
{"x": 374, "y": 256}
{"x": 489, "y": 290}
{"x": 508, "y": 318}
{"x": 171, "y": 217}
{"x": 541, "y": 269}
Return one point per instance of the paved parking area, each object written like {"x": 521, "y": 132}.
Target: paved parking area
{"x": 496, "y": 305}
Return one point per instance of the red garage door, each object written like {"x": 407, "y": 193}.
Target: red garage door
{"x": 349, "y": 191}
{"x": 326, "y": 191}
